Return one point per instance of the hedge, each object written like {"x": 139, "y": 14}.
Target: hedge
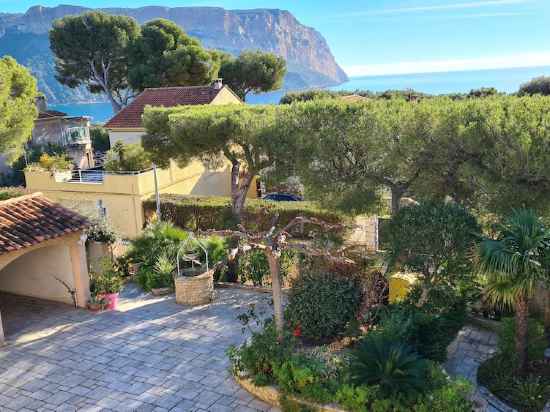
{"x": 9, "y": 192}
{"x": 203, "y": 213}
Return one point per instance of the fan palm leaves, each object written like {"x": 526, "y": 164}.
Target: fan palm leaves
{"x": 515, "y": 264}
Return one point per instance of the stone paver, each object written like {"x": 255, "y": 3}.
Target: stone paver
{"x": 150, "y": 355}
{"x": 471, "y": 347}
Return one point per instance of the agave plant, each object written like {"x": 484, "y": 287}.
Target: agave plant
{"x": 390, "y": 364}
{"x": 514, "y": 265}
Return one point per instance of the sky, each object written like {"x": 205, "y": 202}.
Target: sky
{"x": 370, "y": 37}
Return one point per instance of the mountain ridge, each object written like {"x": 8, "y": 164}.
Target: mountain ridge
{"x": 309, "y": 58}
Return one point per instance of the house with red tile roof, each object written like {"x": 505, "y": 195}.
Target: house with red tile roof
{"x": 42, "y": 251}
{"x": 127, "y": 126}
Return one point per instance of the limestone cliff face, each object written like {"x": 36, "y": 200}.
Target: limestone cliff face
{"x": 310, "y": 61}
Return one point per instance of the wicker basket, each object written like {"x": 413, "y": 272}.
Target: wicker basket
{"x": 195, "y": 290}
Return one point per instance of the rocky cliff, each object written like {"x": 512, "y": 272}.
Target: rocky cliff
{"x": 310, "y": 61}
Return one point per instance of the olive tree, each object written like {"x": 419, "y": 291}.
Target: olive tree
{"x": 435, "y": 239}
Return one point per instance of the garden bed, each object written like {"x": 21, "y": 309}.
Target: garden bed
{"x": 272, "y": 396}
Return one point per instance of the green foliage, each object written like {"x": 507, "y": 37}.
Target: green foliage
{"x": 435, "y": 239}
{"x": 526, "y": 393}
{"x": 517, "y": 259}
{"x": 536, "y": 338}
{"x": 304, "y": 376}
{"x": 203, "y": 213}
{"x": 92, "y": 50}
{"x": 158, "y": 239}
{"x": 262, "y": 354}
{"x": 306, "y": 96}
{"x": 356, "y": 398}
{"x": 100, "y": 139}
{"x": 101, "y": 231}
{"x": 127, "y": 158}
{"x": 390, "y": 364}
{"x": 10, "y": 192}
{"x": 443, "y": 315}
{"x": 452, "y": 397}
{"x": 17, "y": 108}
{"x": 253, "y": 71}
{"x": 108, "y": 280}
{"x": 53, "y": 163}
{"x": 254, "y": 267}
{"x": 538, "y": 85}
{"x": 165, "y": 56}
{"x": 323, "y": 304}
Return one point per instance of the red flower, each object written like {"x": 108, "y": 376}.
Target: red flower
{"x": 297, "y": 332}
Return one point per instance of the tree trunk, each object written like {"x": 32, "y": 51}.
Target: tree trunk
{"x": 396, "y": 195}
{"x": 115, "y": 105}
{"x": 522, "y": 316}
{"x": 239, "y": 190}
{"x": 273, "y": 260}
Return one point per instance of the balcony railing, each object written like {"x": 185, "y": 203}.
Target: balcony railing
{"x": 97, "y": 175}
{"x": 76, "y": 136}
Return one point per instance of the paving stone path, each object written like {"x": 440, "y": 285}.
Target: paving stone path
{"x": 471, "y": 347}
{"x": 151, "y": 355}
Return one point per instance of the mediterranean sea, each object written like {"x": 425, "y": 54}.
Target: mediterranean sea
{"x": 504, "y": 80}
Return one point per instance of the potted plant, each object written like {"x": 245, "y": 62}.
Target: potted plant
{"x": 96, "y": 303}
{"x": 108, "y": 283}
{"x": 99, "y": 241}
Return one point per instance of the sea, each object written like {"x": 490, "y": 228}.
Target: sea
{"x": 504, "y": 80}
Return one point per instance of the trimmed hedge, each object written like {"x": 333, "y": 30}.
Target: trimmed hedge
{"x": 9, "y": 192}
{"x": 203, "y": 213}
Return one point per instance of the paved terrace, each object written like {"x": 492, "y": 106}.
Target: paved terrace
{"x": 151, "y": 355}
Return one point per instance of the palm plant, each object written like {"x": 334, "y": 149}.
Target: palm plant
{"x": 393, "y": 366}
{"x": 515, "y": 263}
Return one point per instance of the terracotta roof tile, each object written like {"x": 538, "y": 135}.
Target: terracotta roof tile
{"x": 28, "y": 220}
{"x": 130, "y": 116}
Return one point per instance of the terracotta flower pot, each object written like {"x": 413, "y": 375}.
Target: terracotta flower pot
{"x": 95, "y": 307}
{"x": 112, "y": 301}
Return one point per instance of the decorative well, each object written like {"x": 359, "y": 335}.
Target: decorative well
{"x": 195, "y": 283}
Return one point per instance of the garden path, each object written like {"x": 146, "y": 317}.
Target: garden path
{"x": 471, "y": 347}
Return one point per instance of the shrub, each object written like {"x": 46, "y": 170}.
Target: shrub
{"x": 263, "y": 353}
{"x": 304, "y": 376}
{"x": 254, "y": 267}
{"x": 53, "y": 162}
{"x": 101, "y": 231}
{"x": 100, "y": 139}
{"x": 124, "y": 158}
{"x": 452, "y": 397}
{"x": 323, "y": 304}
{"x": 9, "y": 192}
{"x": 390, "y": 364}
{"x": 526, "y": 393}
{"x": 443, "y": 314}
{"x": 204, "y": 213}
{"x": 536, "y": 338}
{"x": 356, "y": 398}
{"x": 108, "y": 280}
{"x": 435, "y": 239}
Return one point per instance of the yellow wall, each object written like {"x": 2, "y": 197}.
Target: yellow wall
{"x": 32, "y": 271}
{"x": 121, "y": 195}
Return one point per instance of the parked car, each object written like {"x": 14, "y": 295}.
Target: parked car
{"x": 282, "y": 197}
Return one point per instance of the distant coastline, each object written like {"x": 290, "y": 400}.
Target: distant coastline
{"x": 504, "y": 80}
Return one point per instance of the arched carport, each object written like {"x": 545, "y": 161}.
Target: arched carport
{"x": 42, "y": 252}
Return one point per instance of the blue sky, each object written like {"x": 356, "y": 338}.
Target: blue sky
{"x": 400, "y": 36}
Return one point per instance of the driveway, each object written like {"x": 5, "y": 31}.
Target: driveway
{"x": 151, "y": 354}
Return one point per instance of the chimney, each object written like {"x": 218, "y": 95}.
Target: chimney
{"x": 217, "y": 84}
